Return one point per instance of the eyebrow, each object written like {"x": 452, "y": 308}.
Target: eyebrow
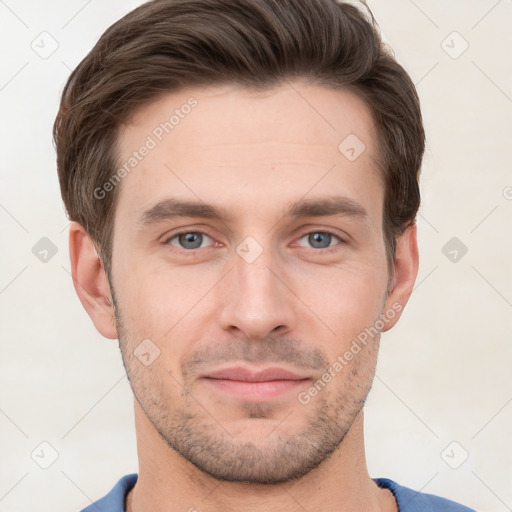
{"x": 172, "y": 207}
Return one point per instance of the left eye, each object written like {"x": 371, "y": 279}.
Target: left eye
{"x": 320, "y": 239}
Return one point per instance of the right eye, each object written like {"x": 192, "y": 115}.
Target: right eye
{"x": 187, "y": 240}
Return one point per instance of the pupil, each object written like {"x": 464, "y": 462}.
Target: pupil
{"x": 317, "y": 238}
{"x": 191, "y": 238}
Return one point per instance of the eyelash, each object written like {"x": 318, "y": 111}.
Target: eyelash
{"x": 193, "y": 252}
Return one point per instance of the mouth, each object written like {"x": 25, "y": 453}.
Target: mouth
{"x": 256, "y": 385}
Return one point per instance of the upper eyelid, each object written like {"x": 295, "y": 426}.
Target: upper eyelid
{"x": 167, "y": 239}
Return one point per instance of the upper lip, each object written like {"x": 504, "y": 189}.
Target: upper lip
{"x": 242, "y": 374}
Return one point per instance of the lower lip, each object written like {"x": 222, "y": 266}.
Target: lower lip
{"x": 256, "y": 390}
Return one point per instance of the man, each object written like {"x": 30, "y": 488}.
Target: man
{"x": 242, "y": 177}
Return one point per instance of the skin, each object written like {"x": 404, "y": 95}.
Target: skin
{"x": 296, "y": 306}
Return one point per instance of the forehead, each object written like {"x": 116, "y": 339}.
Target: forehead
{"x": 229, "y": 144}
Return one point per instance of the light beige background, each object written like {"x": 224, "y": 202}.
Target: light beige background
{"x": 444, "y": 373}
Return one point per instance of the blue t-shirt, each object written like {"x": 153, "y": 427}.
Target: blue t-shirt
{"x": 407, "y": 499}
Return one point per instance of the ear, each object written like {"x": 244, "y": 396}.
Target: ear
{"x": 406, "y": 271}
{"x": 90, "y": 281}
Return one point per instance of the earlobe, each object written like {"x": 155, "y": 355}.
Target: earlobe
{"x": 90, "y": 281}
{"x": 406, "y": 271}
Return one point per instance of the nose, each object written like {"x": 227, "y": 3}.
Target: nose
{"x": 258, "y": 302}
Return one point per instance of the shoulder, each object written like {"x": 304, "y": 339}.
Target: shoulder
{"x": 114, "y": 500}
{"x": 413, "y": 501}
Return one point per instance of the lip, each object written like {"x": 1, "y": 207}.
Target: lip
{"x": 239, "y": 373}
{"x": 258, "y": 385}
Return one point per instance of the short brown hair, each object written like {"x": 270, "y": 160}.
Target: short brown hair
{"x": 167, "y": 45}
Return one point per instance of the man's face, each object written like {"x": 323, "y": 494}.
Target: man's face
{"x": 260, "y": 289}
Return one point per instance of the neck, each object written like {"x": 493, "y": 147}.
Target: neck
{"x": 167, "y": 482}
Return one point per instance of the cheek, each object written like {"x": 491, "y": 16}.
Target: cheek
{"x": 347, "y": 298}
{"x": 160, "y": 301}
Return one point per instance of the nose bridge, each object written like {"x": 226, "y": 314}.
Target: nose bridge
{"x": 257, "y": 279}
{"x": 257, "y": 301}
{"x": 255, "y": 274}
